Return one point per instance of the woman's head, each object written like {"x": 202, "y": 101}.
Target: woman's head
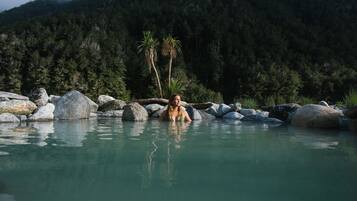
{"x": 175, "y": 100}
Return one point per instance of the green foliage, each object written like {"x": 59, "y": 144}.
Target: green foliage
{"x": 248, "y": 103}
{"x": 234, "y": 48}
{"x": 176, "y": 87}
{"x": 350, "y": 99}
{"x": 197, "y": 93}
{"x": 305, "y": 100}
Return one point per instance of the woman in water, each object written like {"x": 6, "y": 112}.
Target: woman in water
{"x": 175, "y": 112}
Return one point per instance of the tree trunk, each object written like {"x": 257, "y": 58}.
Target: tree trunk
{"x": 170, "y": 65}
{"x": 156, "y": 73}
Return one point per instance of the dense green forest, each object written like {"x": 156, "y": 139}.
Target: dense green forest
{"x": 263, "y": 49}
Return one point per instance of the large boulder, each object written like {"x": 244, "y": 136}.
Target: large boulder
{"x": 12, "y": 96}
{"x": 233, "y": 116}
{"x": 236, "y": 106}
{"x": 134, "y": 112}
{"x": 8, "y": 118}
{"x": 39, "y": 97}
{"x": 316, "y": 116}
{"x": 112, "y": 105}
{"x": 205, "y": 115}
{"x": 193, "y": 113}
{"x": 213, "y": 110}
{"x": 351, "y": 112}
{"x": 72, "y": 105}
{"x": 223, "y": 109}
{"x": 247, "y": 112}
{"x": 111, "y": 113}
{"x": 54, "y": 99}
{"x": 158, "y": 113}
{"x": 17, "y": 107}
{"x": 93, "y": 105}
{"x": 151, "y": 108}
{"x": 103, "y": 99}
{"x": 283, "y": 112}
{"x": 44, "y": 113}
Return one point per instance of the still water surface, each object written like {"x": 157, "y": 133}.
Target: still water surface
{"x": 94, "y": 160}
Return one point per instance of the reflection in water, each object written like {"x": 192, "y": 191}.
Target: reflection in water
{"x": 134, "y": 129}
{"x": 43, "y": 130}
{"x": 321, "y": 139}
{"x": 78, "y": 131}
{"x": 7, "y": 197}
{"x": 173, "y": 136}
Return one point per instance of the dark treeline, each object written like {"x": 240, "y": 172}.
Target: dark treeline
{"x": 276, "y": 49}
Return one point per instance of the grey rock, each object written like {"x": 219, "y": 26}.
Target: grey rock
{"x": 206, "y": 116}
{"x": 134, "y": 112}
{"x": 316, "y": 116}
{"x": 103, "y": 99}
{"x": 151, "y": 108}
{"x": 223, "y": 109}
{"x": 8, "y": 118}
{"x": 4, "y": 99}
{"x": 93, "y": 115}
{"x": 22, "y": 117}
{"x": 93, "y": 105}
{"x": 253, "y": 117}
{"x": 193, "y": 113}
{"x": 157, "y": 113}
{"x": 272, "y": 121}
{"x": 39, "y": 97}
{"x": 112, "y": 105}
{"x": 14, "y": 96}
{"x": 233, "y": 116}
{"x": 284, "y": 112}
{"x": 247, "y": 112}
{"x": 17, "y": 107}
{"x": 324, "y": 103}
{"x": 236, "y": 106}
{"x": 263, "y": 114}
{"x": 53, "y": 99}
{"x": 351, "y": 112}
{"x": 44, "y": 113}
{"x": 112, "y": 113}
{"x": 213, "y": 110}
{"x": 72, "y": 105}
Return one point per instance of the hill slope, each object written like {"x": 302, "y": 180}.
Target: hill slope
{"x": 276, "y": 49}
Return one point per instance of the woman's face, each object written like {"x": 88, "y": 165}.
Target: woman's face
{"x": 176, "y": 101}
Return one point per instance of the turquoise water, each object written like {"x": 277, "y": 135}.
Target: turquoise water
{"x": 221, "y": 160}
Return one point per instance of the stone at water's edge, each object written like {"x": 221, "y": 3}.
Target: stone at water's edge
{"x": 39, "y": 97}
{"x": 53, "y": 99}
{"x": 223, "y": 109}
{"x": 151, "y": 108}
{"x": 316, "y": 116}
{"x": 14, "y": 96}
{"x": 103, "y": 99}
{"x": 112, "y": 105}
{"x": 236, "y": 106}
{"x": 134, "y": 112}
{"x": 111, "y": 113}
{"x": 283, "y": 112}
{"x": 44, "y": 113}
{"x": 233, "y": 116}
{"x": 247, "y": 112}
{"x": 213, "y": 110}
{"x": 93, "y": 105}
{"x": 351, "y": 112}
{"x": 205, "y": 115}
{"x": 72, "y": 105}
{"x": 8, "y": 118}
{"x": 324, "y": 103}
{"x": 193, "y": 113}
{"x": 17, "y": 107}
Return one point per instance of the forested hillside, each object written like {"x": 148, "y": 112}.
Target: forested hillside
{"x": 263, "y": 49}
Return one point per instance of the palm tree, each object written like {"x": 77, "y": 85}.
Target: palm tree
{"x": 148, "y": 46}
{"x": 171, "y": 47}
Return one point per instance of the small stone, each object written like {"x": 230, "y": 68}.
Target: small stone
{"x": 8, "y": 118}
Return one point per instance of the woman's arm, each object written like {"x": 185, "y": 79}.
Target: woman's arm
{"x": 187, "y": 117}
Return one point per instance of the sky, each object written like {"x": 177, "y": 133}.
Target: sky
{"x": 8, "y": 4}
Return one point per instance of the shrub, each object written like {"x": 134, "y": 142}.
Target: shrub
{"x": 249, "y": 103}
{"x": 198, "y": 93}
{"x": 305, "y": 100}
{"x": 350, "y": 99}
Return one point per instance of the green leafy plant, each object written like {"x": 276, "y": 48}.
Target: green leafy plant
{"x": 350, "y": 99}
{"x": 249, "y": 103}
{"x": 175, "y": 87}
{"x": 305, "y": 100}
